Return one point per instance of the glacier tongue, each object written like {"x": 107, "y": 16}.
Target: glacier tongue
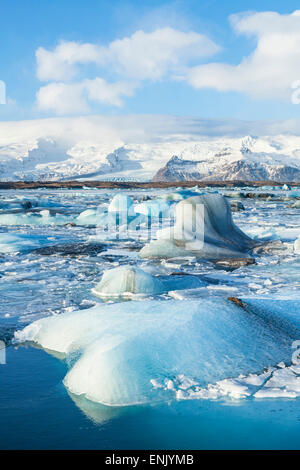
{"x": 115, "y": 352}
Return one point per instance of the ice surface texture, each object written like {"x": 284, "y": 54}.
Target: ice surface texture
{"x": 204, "y": 227}
{"x": 116, "y": 351}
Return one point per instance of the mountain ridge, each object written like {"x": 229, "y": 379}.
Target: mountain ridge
{"x": 171, "y": 158}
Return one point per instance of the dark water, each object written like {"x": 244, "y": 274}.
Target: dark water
{"x": 36, "y": 412}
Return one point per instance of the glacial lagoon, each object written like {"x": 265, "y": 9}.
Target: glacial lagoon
{"x": 123, "y": 332}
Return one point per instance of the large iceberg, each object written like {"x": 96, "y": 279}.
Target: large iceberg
{"x": 203, "y": 228}
{"x": 116, "y": 352}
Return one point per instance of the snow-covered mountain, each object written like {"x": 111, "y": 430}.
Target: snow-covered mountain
{"x": 246, "y": 159}
{"x": 169, "y": 157}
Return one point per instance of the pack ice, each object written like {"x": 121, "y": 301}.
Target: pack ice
{"x": 115, "y": 352}
{"x": 203, "y": 228}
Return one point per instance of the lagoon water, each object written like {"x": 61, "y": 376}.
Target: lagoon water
{"x": 51, "y": 259}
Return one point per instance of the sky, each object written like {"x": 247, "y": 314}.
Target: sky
{"x": 209, "y": 59}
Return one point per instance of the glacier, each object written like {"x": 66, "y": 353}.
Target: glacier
{"x": 40, "y": 155}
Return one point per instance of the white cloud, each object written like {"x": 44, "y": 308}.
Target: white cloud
{"x": 61, "y": 63}
{"x": 71, "y": 98}
{"x": 108, "y": 93}
{"x": 62, "y": 98}
{"x": 153, "y": 55}
{"x": 119, "y": 130}
{"x": 270, "y": 70}
{"x": 140, "y": 56}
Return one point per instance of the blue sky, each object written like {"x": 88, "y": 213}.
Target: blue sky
{"x": 197, "y": 75}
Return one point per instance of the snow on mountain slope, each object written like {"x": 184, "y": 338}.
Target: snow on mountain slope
{"x": 96, "y": 151}
{"x": 245, "y": 159}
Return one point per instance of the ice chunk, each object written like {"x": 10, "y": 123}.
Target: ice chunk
{"x": 297, "y": 246}
{"x": 121, "y": 203}
{"x": 88, "y": 217}
{"x": 127, "y": 280}
{"x": 204, "y": 228}
{"x": 114, "y": 351}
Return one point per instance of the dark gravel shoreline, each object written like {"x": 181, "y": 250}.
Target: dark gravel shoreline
{"x": 134, "y": 184}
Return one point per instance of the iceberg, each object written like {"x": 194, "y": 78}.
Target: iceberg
{"x": 88, "y": 217}
{"x": 127, "y": 280}
{"x": 155, "y": 208}
{"x": 121, "y": 203}
{"x": 203, "y": 228}
{"x": 120, "y": 217}
{"x": 297, "y": 246}
{"x": 115, "y": 352}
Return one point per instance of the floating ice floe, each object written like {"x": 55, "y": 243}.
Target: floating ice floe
{"x": 204, "y": 228}
{"x": 127, "y": 280}
{"x": 88, "y": 217}
{"x": 43, "y": 217}
{"x": 115, "y": 351}
{"x": 275, "y": 382}
{"x": 273, "y": 231}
